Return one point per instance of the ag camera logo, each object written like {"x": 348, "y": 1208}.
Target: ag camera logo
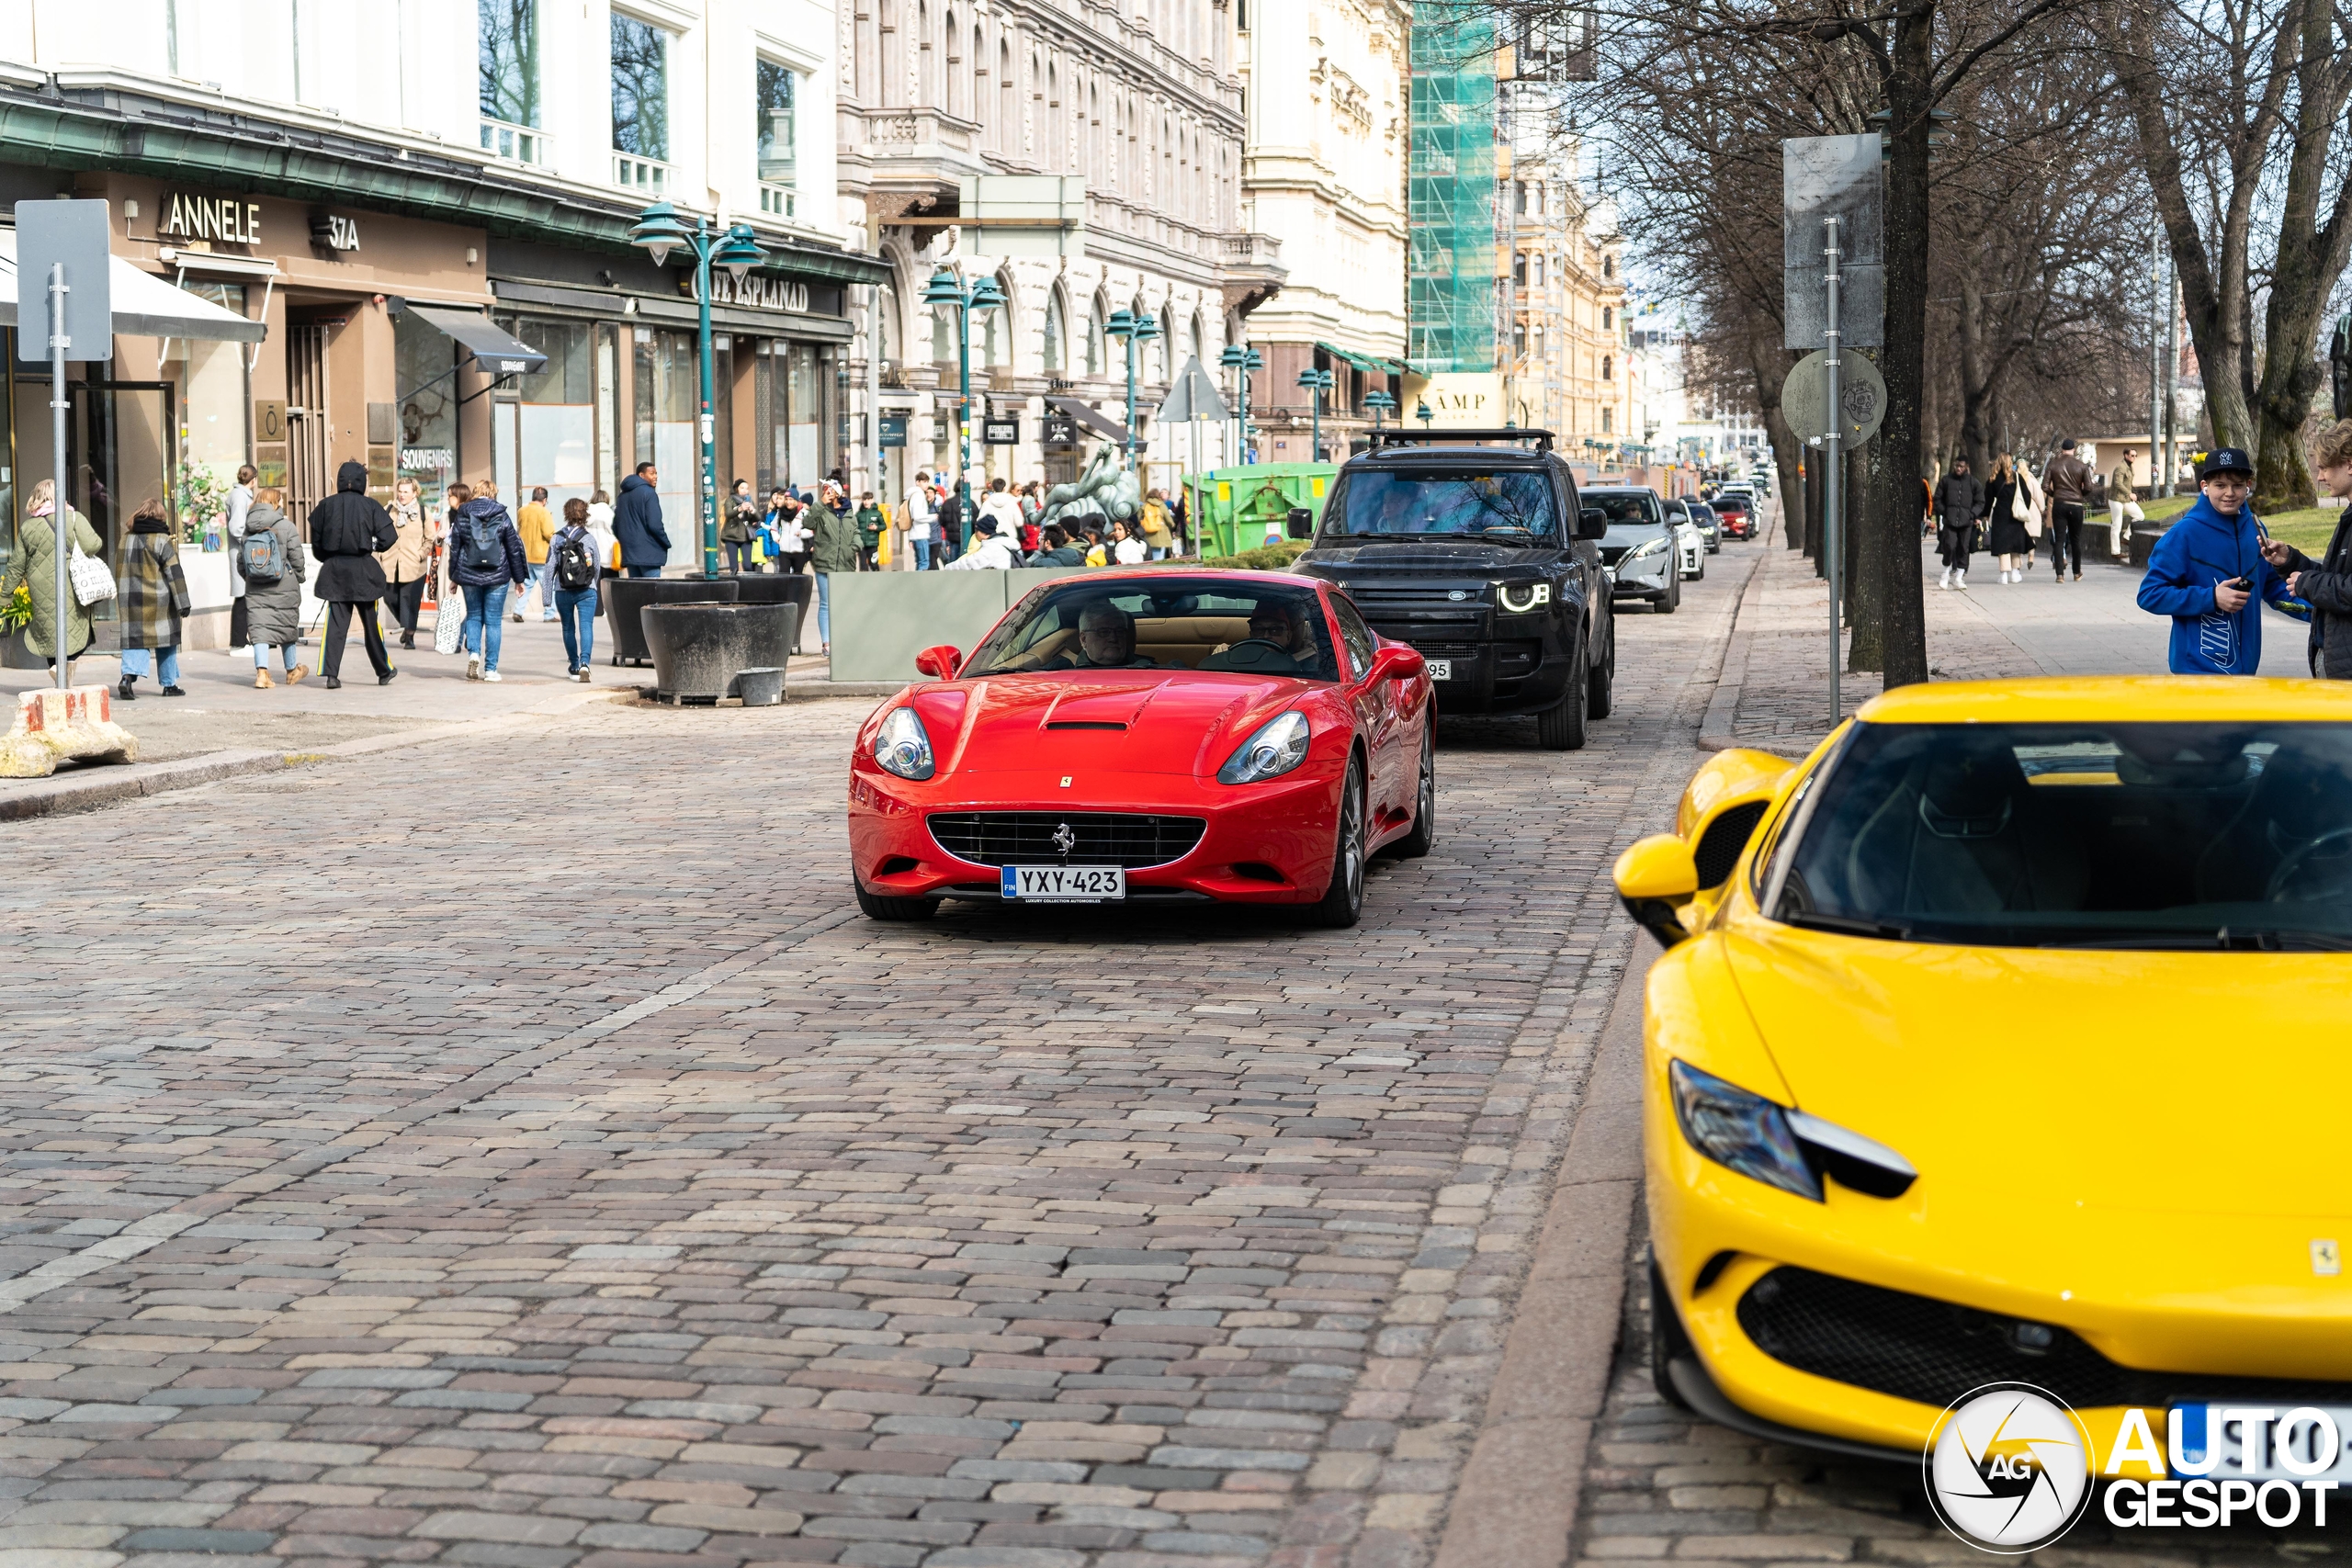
{"x": 2008, "y": 1468}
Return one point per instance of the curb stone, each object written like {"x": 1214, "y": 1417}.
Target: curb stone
{"x": 1717, "y": 730}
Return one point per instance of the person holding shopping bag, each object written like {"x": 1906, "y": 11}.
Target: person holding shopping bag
{"x": 34, "y": 568}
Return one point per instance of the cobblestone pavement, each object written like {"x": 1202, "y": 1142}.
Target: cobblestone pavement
{"x": 518, "y": 1152}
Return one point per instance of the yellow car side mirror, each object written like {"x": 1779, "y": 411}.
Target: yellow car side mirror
{"x": 1653, "y": 876}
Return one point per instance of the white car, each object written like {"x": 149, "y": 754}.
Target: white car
{"x": 1689, "y": 544}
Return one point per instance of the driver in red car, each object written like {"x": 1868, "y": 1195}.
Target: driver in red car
{"x": 1279, "y": 643}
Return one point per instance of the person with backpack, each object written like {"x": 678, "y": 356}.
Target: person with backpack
{"x": 348, "y": 530}
{"x": 153, "y": 602}
{"x": 486, "y": 559}
{"x": 572, "y": 565}
{"x": 408, "y": 564}
{"x": 271, "y": 556}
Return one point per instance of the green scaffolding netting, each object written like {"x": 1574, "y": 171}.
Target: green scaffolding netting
{"x": 1450, "y": 269}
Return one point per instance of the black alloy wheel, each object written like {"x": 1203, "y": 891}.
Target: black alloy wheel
{"x": 1600, "y": 687}
{"x": 1417, "y": 842}
{"x": 1342, "y": 903}
{"x": 1561, "y": 727}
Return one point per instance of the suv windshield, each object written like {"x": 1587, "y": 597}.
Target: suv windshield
{"x": 1638, "y": 508}
{"x": 1412, "y": 503}
{"x": 2119, "y": 835}
{"x": 1173, "y": 622}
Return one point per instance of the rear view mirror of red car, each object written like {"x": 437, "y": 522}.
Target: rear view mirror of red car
{"x": 941, "y": 662}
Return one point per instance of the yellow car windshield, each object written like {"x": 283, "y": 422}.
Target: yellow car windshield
{"x": 2216, "y": 835}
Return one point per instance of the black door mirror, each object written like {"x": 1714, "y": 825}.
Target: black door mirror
{"x": 1301, "y": 524}
{"x": 1593, "y": 524}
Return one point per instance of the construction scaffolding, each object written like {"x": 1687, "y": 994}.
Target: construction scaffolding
{"x": 1451, "y": 267}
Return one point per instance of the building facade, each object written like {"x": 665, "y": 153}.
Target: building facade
{"x": 1565, "y": 360}
{"x": 394, "y": 190}
{"x": 1134, "y": 113}
{"x": 1323, "y": 168}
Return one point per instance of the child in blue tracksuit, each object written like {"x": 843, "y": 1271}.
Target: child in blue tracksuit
{"x": 2216, "y": 628}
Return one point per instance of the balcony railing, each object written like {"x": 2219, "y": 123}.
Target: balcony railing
{"x": 642, "y": 176}
{"x": 517, "y": 143}
{"x": 778, "y": 201}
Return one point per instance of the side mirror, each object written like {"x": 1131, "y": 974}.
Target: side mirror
{"x": 1300, "y": 524}
{"x": 1653, "y": 876}
{"x": 1593, "y": 524}
{"x": 1395, "y": 662}
{"x": 941, "y": 662}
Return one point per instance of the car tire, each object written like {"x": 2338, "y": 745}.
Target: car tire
{"x": 1561, "y": 727}
{"x": 1668, "y": 602}
{"x": 876, "y": 907}
{"x": 1668, "y": 1343}
{"x": 1341, "y": 905}
{"x": 1600, "y": 684}
{"x": 1417, "y": 842}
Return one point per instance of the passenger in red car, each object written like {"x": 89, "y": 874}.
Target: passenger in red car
{"x": 1106, "y": 640}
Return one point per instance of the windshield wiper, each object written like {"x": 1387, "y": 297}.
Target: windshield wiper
{"x": 1847, "y": 925}
{"x": 2228, "y": 938}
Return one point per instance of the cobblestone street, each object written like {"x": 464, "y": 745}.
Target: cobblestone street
{"x": 517, "y": 1151}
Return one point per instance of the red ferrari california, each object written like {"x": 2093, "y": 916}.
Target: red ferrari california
{"x": 1149, "y": 737}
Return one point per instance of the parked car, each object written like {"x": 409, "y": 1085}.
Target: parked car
{"x": 1639, "y": 548}
{"x": 1689, "y": 544}
{"x": 1738, "y": 514}
{"x": 1711, "y": 526}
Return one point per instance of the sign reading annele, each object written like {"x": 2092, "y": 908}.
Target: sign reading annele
{"x": 222, "y": 218}
{"x": 758, "y": 292}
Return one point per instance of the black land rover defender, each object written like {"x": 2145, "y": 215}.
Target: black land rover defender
{"x": 1471, "y": 545}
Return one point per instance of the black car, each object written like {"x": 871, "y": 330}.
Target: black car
{"x": 1472, "y": 546}
{"x": 1711, "y": 526}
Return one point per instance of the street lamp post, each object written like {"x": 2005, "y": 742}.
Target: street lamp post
{"x": 1422, "y": 411}
{"x": 1131, "y": 329}
{"x": 1317, "y": 383}
{"x": 658, "y": 231}
{"x": 1379, "y": 402}
{"x": 946, "y": 288}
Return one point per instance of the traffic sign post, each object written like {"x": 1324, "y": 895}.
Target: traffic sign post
{"x": 64, "y": 243}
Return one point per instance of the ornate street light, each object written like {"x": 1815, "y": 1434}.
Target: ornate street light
{"x": 1131, "y": 329}
{"x": 1421, "y": 412}
{"x": 1317, "y": 383}
{"x": 945, "y": 289}
{"x": 658, "y": 231}
{"x": 1379, "y": 402}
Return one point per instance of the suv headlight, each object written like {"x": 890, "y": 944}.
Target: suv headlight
{"x": 1654, "y": 547}
{"x": 1746, "y": 1132}
{"x": 903, "y": 747}
{"x": 1279, "y": 745}
{"x": 1521, "y": 597}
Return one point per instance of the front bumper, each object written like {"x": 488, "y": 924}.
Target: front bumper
{"x": 1266, "y": 843}
{"x": 1649, "y": 577}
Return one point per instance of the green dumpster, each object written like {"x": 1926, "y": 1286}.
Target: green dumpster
{"x": 1241, "y": 509}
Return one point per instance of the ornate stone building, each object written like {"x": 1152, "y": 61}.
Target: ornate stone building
{"x": 1136, "y": 104}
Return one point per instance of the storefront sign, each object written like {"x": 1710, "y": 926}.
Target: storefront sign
{"x": 427, "y": 458}
{"x": 894, "y": 430}
{"x": 1000, "y": 433}
{"x": 269, "y": 419}
{"x": 1060, "y": 430}
{"x": 332, "y": 233}
{"x": 222, "y": 218}
{"x": 758, "y": 291}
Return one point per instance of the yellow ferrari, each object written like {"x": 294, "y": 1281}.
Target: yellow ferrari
{"x": 2008, "y": 1038}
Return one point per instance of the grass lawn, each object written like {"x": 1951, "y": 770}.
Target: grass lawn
{"x": 2307, "y": 529}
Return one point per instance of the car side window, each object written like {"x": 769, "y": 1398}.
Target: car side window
{"x": 1355, "y": 635}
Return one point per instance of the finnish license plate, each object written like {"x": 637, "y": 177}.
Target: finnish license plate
{"x": 1438, "y": 669}
{"x": 2270, "y": 1444}
{"x": 1065, "y": 883}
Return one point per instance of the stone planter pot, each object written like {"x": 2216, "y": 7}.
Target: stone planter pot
{"x": 621, "y": 599}
{"x": 705, "y": 651}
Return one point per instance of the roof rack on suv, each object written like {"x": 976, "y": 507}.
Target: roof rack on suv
{"x": 1383, "y": 439}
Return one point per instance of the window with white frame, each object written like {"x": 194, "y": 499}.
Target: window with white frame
{"x": 509, "y": 62}
{"x": 640, "y": 88}
{"x": 778, "y": 91}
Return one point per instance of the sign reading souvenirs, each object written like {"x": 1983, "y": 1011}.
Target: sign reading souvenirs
{"x": 222, "y": 218}
{"x": 332, "y": 233}
{"x": 758, "y": 291}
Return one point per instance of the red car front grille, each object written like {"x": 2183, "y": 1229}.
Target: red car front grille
{"x": 1095, "y": 838}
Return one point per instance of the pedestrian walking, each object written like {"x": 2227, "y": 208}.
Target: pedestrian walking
{"x": 951, "y": 523}
{"x": 2122, "y": 507}
{"x": 486, "y": 558}
{"x": 1959, "y": 502}
{"x": 2325, "y": 584}
{"x": 2004, "y": 515}
{"x": 922, "y": 517}
{"x": 572, "y": 564}
{"x": 2207, "y": 571}
{"x": 2067, "y": 481}
{"x": 153, "y": 602}
{"x": 833, "y": 547}
{"x": 599, "y": 528}
{"x": 535, "y": 524}
{"x": 1153, "y": 531}
{"x": 409, "y": 563}
{"x": 1002, "y": 508}
{"x": 637, "y": 523}
{"x": 871, "y": 522}
{"x": 741, "y": 532}
{"x": 348, "y": 530}
{"x": 233, "y": 523}
{"x": 33, "y": 566}
{"x": 275, "y": 563}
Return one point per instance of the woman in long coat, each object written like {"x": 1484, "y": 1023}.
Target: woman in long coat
{"x": 153, "y": 593}
{"x": 409, "y": 561}
{"x": 2007, "y": 535}
{"x": 34, "y": 565}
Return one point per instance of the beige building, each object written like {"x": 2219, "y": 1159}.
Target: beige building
{"x": 1565, "y": 360}
{"x": 1323, "y": 174}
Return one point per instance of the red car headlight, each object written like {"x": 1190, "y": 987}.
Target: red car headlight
{"x": 1279, "y": 745}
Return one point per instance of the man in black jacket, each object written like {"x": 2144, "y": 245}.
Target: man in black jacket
{"x": 348, "y": 530}
{"x": 637, "y": 523}
{"x": 2325, "y": 584}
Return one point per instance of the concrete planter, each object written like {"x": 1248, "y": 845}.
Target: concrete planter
{"x": 703, "y": 652}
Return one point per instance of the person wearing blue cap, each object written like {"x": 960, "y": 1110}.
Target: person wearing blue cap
{"x": 2207, "y": 571}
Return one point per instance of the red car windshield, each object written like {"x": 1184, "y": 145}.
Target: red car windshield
{"x": 1209, "y": 625}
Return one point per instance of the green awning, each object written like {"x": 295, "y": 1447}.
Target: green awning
{"x": 1364, "y": 362}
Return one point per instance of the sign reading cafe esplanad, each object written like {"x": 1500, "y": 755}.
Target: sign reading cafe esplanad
{"x": 222, "y": 218}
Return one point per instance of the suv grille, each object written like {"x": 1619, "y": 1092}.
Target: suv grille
{"x": 1920, "y": 1348}
{"x": 1103, "y": 838}
{"x": 1417, "y": 599}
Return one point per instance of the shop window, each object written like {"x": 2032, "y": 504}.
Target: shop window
{"x": 425, "y": 365}
{"x": 640, "y": 88}
{"x": 942, "y": 337}
{"x": 805, "y": 402}
{"x": 666, "y": 396}
{"x": 510, "y": 62}
{"x": 778, "y": 94}
{"x": 213, "y": 402}
{"x": 551, "y": 437}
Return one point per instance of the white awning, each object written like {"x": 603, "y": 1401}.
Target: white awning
{"x": 144, "y": 305}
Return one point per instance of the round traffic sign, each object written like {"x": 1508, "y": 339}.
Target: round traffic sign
{"x": 1861, "y": 391}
